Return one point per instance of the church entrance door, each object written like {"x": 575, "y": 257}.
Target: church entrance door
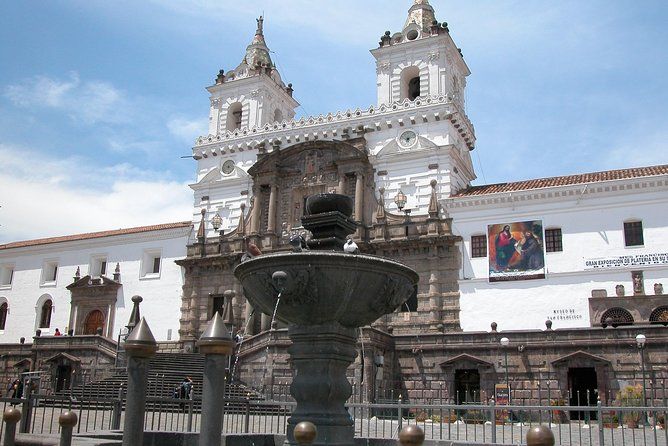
{"x": 467, "y": 386}
{"x": 63, "y": 377}
{"x": 94, "y": 320}
{"x": 582, "y": 391}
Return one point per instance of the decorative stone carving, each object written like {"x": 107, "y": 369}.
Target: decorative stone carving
{"x": 638, "y": 283}
{"x": 619, "y": 290}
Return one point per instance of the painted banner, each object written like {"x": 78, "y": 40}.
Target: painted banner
{"x": 660, "y": 258}
{"x": 502, "y": 396}
{"x": 516, "y": 251}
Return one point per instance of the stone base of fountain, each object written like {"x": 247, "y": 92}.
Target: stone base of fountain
{"x": 321, "y": 354}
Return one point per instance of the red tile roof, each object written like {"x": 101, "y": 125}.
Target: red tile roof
{"x": 91, "y": 235}
{"x": 539, "y": 183}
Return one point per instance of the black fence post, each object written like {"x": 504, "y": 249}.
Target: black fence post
{"x": 116, "y": 410}
{"x": 247, "y": 420}
{"x": 26, "y": 414}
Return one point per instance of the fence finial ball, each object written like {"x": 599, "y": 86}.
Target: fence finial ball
{"x": 11, "y": 415}
{"x": 540, "y": 436}
{"x": 411, "y": 435}
{"x": 305, "y": 432}
{"x": 68, "y": 419}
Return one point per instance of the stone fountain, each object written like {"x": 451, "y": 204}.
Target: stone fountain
{"x": 325, "y": 295}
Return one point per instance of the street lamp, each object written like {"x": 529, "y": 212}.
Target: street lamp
{"x": 216, "y": 222}
{"x": 400, "y": 200}
{"x": 640, "y": 342}
{"x": 505, "y": 342}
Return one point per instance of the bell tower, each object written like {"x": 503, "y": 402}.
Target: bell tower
{"x": 252, "y": 94}
{"x": 421, "y": 60}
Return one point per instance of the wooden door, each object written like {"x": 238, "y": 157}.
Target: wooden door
{"x": 94, "y": 320}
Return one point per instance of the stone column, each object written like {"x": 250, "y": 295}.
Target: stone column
{"x": 216, "y": 345}
{"x": 359, "y": 196}
{"x": 265, "y": 322}
{"x": 257, "y": 212}
{"x": 271, "y": 223}
{"x": 321, "y": 354}
{"x": 140, "y": 346}
{"x": 434, "y": 304}
{"x": 342, "y": 183}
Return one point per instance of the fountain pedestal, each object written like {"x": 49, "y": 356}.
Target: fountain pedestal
{"x": 320, "y": 355}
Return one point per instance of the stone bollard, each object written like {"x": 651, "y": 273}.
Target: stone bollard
{"x": 540, "y": 436}
{"x": 305, "y": 433}
{"x": 10, "y": 417}
{"x": 216, "y": 345}
{"x": 411, "y": 435}
{"x": 67, "y": 421}
{"x": 140, "y": 346}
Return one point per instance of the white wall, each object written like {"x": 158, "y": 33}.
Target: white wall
{"x": 162, "y": 294}
{"x": 592, "y": 227}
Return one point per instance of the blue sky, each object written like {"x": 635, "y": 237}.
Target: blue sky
{"x": 100, "y": 99}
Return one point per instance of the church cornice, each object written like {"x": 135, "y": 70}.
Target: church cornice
{"x": 578, "y": 192}
{"x": 341, "y": 125}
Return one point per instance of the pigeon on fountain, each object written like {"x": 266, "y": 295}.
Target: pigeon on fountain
{"x": 298, "y": 242}
{"x": 351, "y": 247}
{"x": 251, "y": 251}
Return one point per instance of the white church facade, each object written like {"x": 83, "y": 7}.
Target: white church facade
{"x": 594, "y": 231}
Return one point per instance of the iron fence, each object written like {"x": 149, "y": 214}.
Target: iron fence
{"x": 471, "y": 423}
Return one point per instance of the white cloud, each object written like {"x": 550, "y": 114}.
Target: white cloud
{"x": 187, "y": 129}
{"x": 86, "y": 101}
{"x": 67, "y": 196}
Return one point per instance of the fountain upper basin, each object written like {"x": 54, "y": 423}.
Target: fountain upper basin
{"x": 320, "y": 287}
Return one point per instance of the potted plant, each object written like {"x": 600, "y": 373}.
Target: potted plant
{"x": 630, "y": 396}
{"x": 559, "y": 416}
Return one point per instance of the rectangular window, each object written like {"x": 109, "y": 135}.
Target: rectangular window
{"x": 6, "y": 275}
{"x": 553, "y": 240}
{"x": 150, "y": 267}
{"x": 633, "y": 233}
{"x": 98, "y": 265}
{"x": 478, "y": 246}
{"x": 49, "y": 272}
{"x": 156, "y": 265}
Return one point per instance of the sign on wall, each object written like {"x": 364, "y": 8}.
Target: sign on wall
{"x": 516, "y": 251}
{"x": 627, "y": 261}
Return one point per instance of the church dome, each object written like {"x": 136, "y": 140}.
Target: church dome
{"x": 257, "y": 53}
{"x": 422, "y": 14}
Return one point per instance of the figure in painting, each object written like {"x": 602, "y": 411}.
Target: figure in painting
{"x": 505, "y": 247}
{"x": 530, "y": 251}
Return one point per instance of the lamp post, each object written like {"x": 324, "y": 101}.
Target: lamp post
{"x": 505, "y": 342}
{"x": 640, "y": 342}
{"x": 400, "y": 200}
{"x": 217, "y": 222}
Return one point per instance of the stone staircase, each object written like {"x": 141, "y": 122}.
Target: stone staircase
{"x": 166, "y": 371}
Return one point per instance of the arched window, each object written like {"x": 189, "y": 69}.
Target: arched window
{"x": 45, "y": 314}
{"x": 616, "y": 317}
{"x": 410, "y": 83}
{"x": 234, "y": 115}
{"x": 658, "y": 316}
{"x": 278, "y": 115}
{"x": 4, "y": 309}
